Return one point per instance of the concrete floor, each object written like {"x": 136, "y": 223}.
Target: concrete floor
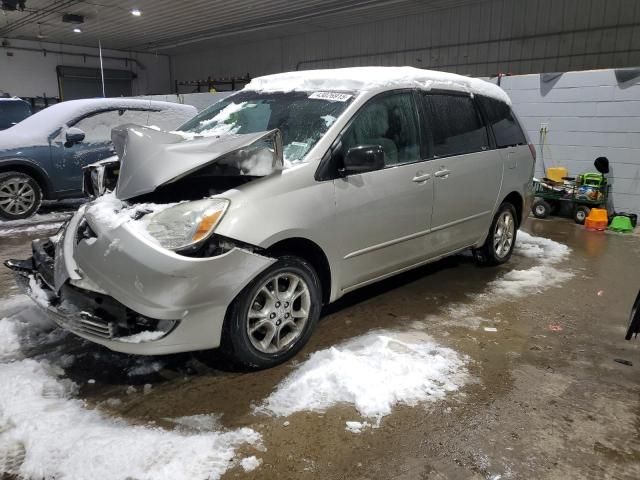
{"x": 547, "y": 403}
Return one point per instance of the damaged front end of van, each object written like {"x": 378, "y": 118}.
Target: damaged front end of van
{"x": 140, "y": 269}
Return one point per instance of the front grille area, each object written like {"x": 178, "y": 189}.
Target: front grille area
{"x": 84, "y": 322}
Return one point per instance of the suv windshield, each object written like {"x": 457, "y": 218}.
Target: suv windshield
{"x": 12, "y": 112}
{"x": 302, "y": 117}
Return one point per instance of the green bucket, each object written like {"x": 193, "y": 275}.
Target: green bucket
{"x": 621, "y": 224}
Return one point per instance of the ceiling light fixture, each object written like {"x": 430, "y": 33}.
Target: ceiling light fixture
{"x": 136, "y": 12}
{"x": 77, "y": 30}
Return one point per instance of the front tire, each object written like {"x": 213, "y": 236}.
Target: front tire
{"x": 20, "y": 195}
{"x": 498, "y": 246}
{"x": 274, "y": 316}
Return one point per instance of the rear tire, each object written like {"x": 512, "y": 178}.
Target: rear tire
{"x": 274, "y": 316}
{"x": 541, "y": 208}
{"x": 580, "y": 214}
{"x": 20, "y": 195}
{"x": 501, "y": 239}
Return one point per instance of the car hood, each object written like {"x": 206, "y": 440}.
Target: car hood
{"x": 150, "y": 158}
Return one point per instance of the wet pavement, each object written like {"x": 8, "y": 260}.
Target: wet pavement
{"x": 547, "y": 399}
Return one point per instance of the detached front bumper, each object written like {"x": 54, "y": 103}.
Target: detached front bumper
{"x": 117, "y": 288}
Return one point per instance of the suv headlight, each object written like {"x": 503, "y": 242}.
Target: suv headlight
{"x": 186, "y": 224}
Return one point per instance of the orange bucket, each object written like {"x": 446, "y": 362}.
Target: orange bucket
{"x": 597, "y": 219}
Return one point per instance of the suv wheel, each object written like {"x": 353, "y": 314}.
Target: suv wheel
{"x": 274, "y": 316}
{"x": 20, "y": 195}
{"x": 498, "y": 246}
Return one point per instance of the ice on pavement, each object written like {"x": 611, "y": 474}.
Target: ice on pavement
{"x": 513, "y": 284}
{"x": 47, "y": 433}
{"x": 374, "y": 373}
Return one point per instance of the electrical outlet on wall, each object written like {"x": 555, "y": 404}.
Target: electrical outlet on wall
{"x": 544, "y": 127}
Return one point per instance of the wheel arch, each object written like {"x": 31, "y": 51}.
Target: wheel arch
{"x": 30, "y": 168}
{"x": 311, "y": 252}
{"x": 516, "y": 199}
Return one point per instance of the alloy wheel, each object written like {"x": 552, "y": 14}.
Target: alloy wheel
{"x": 279, "y": 312}
{"x": 503, "y": 234}
{"x": 17, "y": 196}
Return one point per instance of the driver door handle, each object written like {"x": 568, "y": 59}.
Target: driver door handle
{"x": 421, "y": 177}
{"x": 444, "y": 173}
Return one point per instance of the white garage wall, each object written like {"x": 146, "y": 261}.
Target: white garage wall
{"x": 589, "y": 114}
{"x": 33, "y": 74}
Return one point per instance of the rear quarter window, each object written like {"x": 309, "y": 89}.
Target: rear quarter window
{"x": 500, "y": 117}
{"x": 454, "y": 124}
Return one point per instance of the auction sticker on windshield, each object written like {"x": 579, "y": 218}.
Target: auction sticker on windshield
{"x": 331, "y": 96}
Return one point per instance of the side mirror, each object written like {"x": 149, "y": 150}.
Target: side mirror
{"x": 73, "y": 136}
{"x": 362, "y": 159}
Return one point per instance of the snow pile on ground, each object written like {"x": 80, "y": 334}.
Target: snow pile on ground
{"x": 545, "y": 249}
{"x": 46, "y": 433}
{"x": 368, "y": 78}
{"x": 517, "y": 283}
{"x": 513, "y": 284}
{"x": 373, "y": 372}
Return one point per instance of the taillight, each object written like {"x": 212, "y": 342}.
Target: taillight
{"x": 532, "y": 149}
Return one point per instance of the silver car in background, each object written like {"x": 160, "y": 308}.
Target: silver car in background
{"x": 236, "y": 229}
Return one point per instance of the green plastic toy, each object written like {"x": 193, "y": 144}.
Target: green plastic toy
{"x": 621, "y": 224}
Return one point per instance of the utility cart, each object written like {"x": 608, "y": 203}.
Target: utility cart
{"x": 577, "y": 194}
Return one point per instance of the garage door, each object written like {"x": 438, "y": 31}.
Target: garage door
{"x": 82, "y": 82}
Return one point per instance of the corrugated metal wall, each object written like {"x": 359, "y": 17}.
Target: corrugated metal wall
{"x": 479, "y": 39}
{"x": 588, "y": 115}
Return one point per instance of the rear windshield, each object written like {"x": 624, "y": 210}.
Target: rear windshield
{"x": 302, "y": 117}
{"x": 12, "y": 112}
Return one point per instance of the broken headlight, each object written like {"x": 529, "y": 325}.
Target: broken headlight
{"x": 186, "y": 224}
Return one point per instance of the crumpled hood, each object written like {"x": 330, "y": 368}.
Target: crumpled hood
{"x": 150, "y": 158}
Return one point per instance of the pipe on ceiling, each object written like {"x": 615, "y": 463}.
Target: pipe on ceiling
{"x": 44, "y": 51}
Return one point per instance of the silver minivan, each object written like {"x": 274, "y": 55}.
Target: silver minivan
{"x": 235, "y": 230}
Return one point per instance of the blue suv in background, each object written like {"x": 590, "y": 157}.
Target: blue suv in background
{"x": 42, "y": 157}
{"x": 12, "y": 111}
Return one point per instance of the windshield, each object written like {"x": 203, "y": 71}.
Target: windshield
{"x": 12, "y": 112}
{"x": 302, "y": 117}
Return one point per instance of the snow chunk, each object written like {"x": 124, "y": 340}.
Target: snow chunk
{"x": 250, "y": 463}
{"x": 369, "y": 78}
{"x": 38, "y": 294}
{"x": 358, "y": 427}
{"x": 373, "y": 372}
{"x": 57, "y": 437}
{"x": 110, "y": 212}
{"x": 146, "y": 336}
{"x": 9, "y": 339}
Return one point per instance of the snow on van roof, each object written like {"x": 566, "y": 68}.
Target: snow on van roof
{"x": 370, "y": 78}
